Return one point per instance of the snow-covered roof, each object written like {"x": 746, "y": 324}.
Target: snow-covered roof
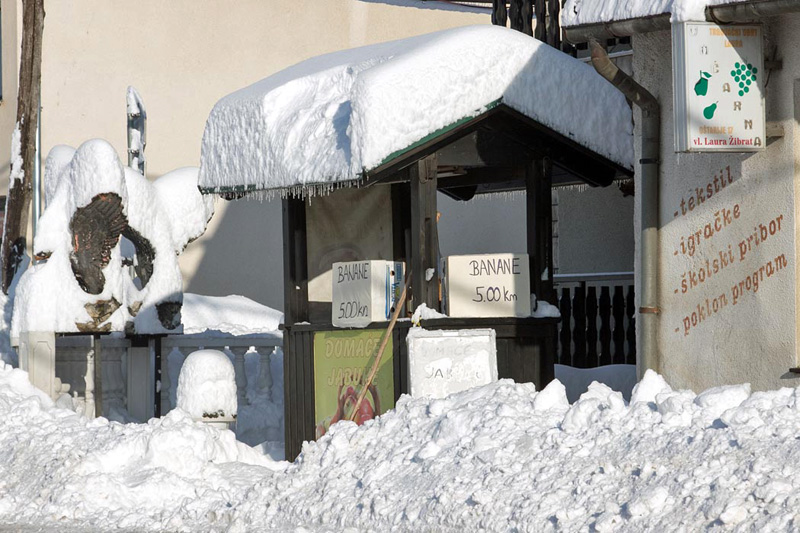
{"x": 583, "y": 12}
{"x": 333, "y": 118}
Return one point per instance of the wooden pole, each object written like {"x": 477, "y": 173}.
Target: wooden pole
{"x": 374, "y": 370}
{"x": 19, "y": 193}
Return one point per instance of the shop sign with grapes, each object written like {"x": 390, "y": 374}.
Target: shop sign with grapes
{"x": 718, "y": 77}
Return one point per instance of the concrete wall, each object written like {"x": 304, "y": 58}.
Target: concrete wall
{"x": 183, "y": 56}
{"x": 718, "y": 331}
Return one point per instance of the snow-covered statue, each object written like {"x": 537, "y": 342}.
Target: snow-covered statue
{"x": 100, "y": 218}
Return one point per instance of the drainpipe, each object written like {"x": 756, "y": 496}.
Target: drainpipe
{"x": 651, "y": 130}
{"x": 721, "y": 14}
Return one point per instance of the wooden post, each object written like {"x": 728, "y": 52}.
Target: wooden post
{"x": 424, "y": 233}
{"x": 538, "y": 179}
{"x": 295, "y": 261}
{"x": 19, "y": 193}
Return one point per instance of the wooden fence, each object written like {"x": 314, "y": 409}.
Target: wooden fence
{"x": 597, "y": 319}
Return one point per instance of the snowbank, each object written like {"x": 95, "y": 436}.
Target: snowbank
{"x": 495, "y": 458}
{"x": 579, "y": 12}
{"x": 330, "y": 118}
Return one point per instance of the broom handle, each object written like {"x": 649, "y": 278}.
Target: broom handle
{"x": 384, "y": 342}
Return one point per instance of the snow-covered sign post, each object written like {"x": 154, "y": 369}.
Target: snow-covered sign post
{"x": 719, "y": 87}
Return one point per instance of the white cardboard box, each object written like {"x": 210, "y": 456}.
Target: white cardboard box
{"x": 488, "y": 285}
{"x": 441, "y": 362}
{"x": 365, "y": 291}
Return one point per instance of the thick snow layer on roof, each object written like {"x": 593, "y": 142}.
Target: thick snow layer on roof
{"x": 580, "y": 12}
{"x": 495, "y": 458}
{"x": 233, "y": 314}
{"x": 332, "y": 117}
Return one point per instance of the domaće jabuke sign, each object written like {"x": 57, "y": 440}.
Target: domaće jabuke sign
{"x": 443, "y": 362}
{"x": 488, "y": 285}
{"x": 718, "y": 78}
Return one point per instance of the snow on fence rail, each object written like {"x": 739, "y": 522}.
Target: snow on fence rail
{"x": 121, "y": 384}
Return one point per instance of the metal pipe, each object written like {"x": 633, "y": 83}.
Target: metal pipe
{"x": 647, "y": 324}
{"x": 722, "y": 14}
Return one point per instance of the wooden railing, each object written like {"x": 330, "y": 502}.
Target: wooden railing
{"x": 597, "y": 319}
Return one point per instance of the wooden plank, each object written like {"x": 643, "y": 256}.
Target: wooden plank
{"x": 579, "y": 334}
{"x": 565, "y": 353}
{"x": 401, "y": 220}
{"x": 618, "y": 311}
{"x": 289, "y": 394}
{"x": 630, "y": 308}
{"x": 540, "y": 13}
{"x": 424, "y": 233}
{"x": 605, "y": 325}
{"x": 499, "y": 13}
{"x": 592, "y": 358}
{"x": 515, "y": 14}
{"x": 553, "y": 23}
{"x": 309, "y": 419}
{"x": 503, "y": 363}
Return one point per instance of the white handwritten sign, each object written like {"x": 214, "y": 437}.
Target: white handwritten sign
{"x": 442, "y": 362}
{"x": 365, "y": 291}
{"x": 490, "y": 285}
{"x": 718, "y": 77}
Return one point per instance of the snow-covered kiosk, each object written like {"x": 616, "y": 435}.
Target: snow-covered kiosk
{"x": 357, "y": 144}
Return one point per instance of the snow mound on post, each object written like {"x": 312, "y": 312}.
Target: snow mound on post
{"x": 330, "y": 118}
{"x": 207, "y": 385}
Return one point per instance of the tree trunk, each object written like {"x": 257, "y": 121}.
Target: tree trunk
{"x": 18, "y": 202}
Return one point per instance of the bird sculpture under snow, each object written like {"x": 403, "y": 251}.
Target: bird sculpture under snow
{"x": 106, "y": 251}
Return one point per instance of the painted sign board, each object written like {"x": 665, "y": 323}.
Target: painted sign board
{"x": 718, "y": 79}
{"x": 341, "y": 359}
{"x": 442, "y": 362}
{"x": 488, "y": 285}
{"x": 365, "y": 292}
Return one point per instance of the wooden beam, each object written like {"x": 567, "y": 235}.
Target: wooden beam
{"x": 539, "y": 237}
{"x": 424, "y": 233}
{"x": 540, "y": 13}
{"x": 295, "y": 262}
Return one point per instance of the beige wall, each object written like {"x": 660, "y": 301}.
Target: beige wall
{"x": 753, "y": 340}
{"x": 182, "y": 56}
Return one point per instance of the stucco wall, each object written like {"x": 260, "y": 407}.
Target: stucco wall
{"x": 722, "y": 330}
{"x": 183, "y": 56}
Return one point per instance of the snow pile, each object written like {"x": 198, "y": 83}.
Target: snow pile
{"x": 423, "y": 312}
{"x": 543, "y": 309}
{"x": 207, "y": 385}
{"x": 580, "y": 12}
{"x": 496, "y": 458}
{"x": 234, "y": 315}
{"x": 60, "y": 469}
{"x": 330, "y": 118}
{"x": 160, "y": 219}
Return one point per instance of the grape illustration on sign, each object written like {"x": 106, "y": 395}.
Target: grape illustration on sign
{"x": 718, "y": 98}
